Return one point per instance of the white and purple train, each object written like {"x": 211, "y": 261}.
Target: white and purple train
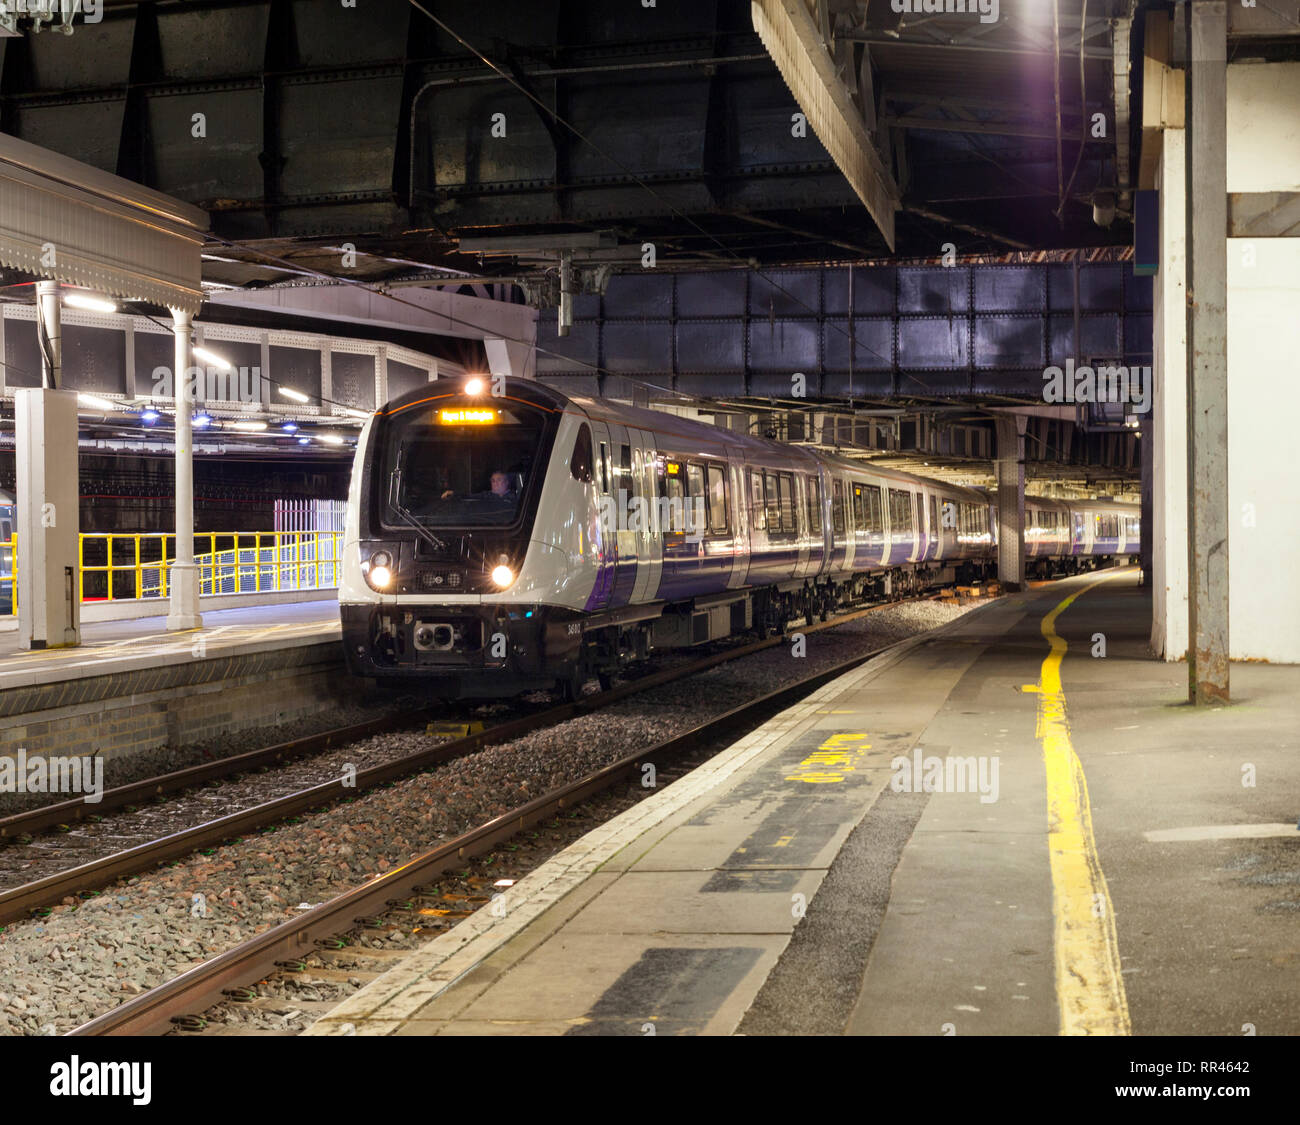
{"x": 498, "y": 543}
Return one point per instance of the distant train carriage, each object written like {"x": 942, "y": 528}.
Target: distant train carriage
{"x": 497, "y": 544}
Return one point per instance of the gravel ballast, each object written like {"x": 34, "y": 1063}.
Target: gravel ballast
{"x": 60, "y": 971}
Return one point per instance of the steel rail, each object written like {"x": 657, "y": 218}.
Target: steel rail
{"x": 19, "y": 902}
{"x": 198, "y": 988}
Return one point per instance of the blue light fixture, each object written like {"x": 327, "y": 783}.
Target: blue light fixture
{"x": 202, "y": 421}
{"x": 290, "y": 427}
{"x": 149, "y": 417}
{"x": 304, "y": 441}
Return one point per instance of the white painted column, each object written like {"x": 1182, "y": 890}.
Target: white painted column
{"x": 184, "y": 578}
{"x": 1169, "y": 411}
{"x": 1010, "y": 471}
{"x": 48, "y": 512}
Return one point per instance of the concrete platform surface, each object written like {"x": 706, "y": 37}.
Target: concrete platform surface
{"x": 117, "y": 646}
{"x": 1013, "y": 825}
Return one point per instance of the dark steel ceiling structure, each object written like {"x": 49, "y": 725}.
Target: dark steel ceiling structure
{"x": 304, "y": 127}
{"x": 532, "y": 150}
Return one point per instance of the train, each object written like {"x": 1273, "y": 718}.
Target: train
{"x": 503, "y": 537}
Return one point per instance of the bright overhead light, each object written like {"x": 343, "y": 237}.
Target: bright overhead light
{"x": 149, "y": 415}
{"x": 304, "y": 441}
{"x": 248, "y": 427}
{"x": 352, "y": 413}
{"x": 295, "y": 396}
{"x": 202, "y": 421}
{"x": 86, "y": 301}
{"x": 290, "y": 427}
{"x": 211, "y": 357}
{"x": 331, "y": 439}
{"x": 474, "y": 386}
{"x": 97, "y": 402}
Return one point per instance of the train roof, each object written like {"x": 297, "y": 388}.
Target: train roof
{"x": 550, "y": 398}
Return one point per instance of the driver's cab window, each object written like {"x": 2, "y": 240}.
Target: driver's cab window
{"x": 580, "y": 462}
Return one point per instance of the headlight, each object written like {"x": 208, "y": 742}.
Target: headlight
{"x": 503, "y": 576}
{"x": 379, "y": 570}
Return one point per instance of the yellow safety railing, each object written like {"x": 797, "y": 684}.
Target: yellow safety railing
{"x": 118, "y": 567}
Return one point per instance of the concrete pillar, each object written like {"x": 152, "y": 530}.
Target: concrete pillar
{"x": 1205, "y": 117}
{"x": 1169, "y": 411}
{"x": 47, "y": 519}
{"x": 1011, "y": 500}
{"x": 184, "y": 578}
{"x": 48, "y": 515}
{"x": 1146, "y": 453}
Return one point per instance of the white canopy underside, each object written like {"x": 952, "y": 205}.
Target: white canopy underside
{"x": 67, "y": 221}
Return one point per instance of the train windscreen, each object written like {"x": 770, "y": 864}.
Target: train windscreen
{"x": 459, "y": 466}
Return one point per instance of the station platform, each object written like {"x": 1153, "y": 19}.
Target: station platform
{"x": 116, "y": 646}
{"x": 1012, "y": 825}
{"x": 132, "y": 687}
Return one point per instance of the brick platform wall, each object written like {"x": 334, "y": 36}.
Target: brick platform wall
{"x": 130, "y": 713}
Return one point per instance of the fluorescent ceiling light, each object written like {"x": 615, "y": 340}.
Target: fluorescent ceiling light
{"x": 211, "y": 357}
{"x": 331, "y": 439}
{"x": 97, "y": 402}
{"x": 296, "y": 396}
{"x": 248, "y": 427}
{"x": 86, "y": 301}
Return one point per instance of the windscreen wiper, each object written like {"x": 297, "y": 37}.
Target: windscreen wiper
{"x": 424, "y": 533}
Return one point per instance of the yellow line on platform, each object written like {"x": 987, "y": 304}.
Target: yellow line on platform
{"x": 1089, "y": 987}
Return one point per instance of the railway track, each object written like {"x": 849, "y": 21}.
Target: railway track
{"x": 232, "y": 972}
{"x": 20, "y": 902}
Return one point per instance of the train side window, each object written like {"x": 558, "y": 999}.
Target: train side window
{"x": 717, "y": 500}
{"x": 837, "y": 507}
{"x": 625, "y": 467}
{"x": 756, "y": 499}
{"x": 580, "y": 460}
{"x": 859, "y": 511}
{"x": 773, "y": 502}
{"x": 673, "y": 490}
{"x": 697, "y": 518}
{"x": 602, "y": 468}
{"x": 900, "y": 511}
{"x": 875, "y": 516}
{"x": 815, "y": 505}
{"x": 785, "y": 485}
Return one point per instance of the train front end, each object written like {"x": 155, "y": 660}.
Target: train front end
{"x": 466, "y": 557}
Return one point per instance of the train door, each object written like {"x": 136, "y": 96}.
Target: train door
{"x": 844, "y": 520}
{"x": 645, "y": 486}
{"x": 1082, "y": 524}
{"x": 622, "y": 491}
{"x": 603, "y": 539}
{"x": 738, "y": 499}
{"x": 801, "y": 524}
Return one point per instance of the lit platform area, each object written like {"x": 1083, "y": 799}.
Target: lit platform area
{"x": 1014, "y": 825}
{"x": 133, "y": 687}
{"x": 110, "y": 647}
